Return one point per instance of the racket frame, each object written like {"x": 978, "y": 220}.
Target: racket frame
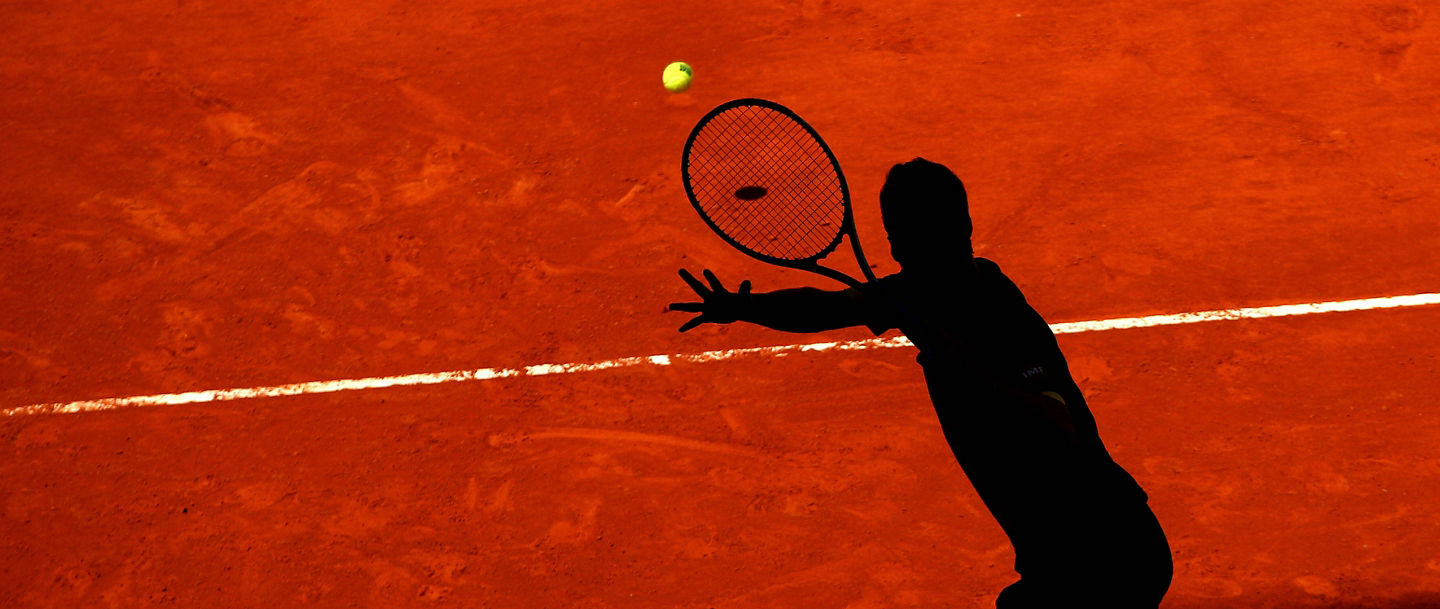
{"x": 812, "y": 263}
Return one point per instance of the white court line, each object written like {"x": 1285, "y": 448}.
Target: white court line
{"x": 483, "y": 374}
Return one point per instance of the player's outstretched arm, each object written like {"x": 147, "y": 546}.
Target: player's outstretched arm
{"x": 790, "y": 310}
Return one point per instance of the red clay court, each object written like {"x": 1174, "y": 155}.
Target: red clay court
{"x": 201, "y": 196}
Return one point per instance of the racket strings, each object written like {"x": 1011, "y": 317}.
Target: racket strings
{"x": 813, "y": 238}
{"x": 801, "y": 213}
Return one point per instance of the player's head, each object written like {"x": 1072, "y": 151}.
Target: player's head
{"x": 926, "y": 214}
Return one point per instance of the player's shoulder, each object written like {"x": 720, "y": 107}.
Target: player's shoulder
{"x": 999, "y": 289}
{"x": 990, "y": 274}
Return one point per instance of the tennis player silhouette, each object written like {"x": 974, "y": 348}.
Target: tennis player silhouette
{"x": 1081, "y": 527}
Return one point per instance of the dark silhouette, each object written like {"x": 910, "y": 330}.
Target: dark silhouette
{"x": 1081, "y": 527}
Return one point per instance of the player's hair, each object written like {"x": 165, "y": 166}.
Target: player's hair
{"x": 925, "y": 201}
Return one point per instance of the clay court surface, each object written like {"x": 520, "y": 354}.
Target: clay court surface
{"x": 199, "y": 195}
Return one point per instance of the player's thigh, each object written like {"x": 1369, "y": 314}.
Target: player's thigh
{"x": 1130, "y": 561}
{"x": 1117, "y": 558}
{"x": 1033, "y": 592}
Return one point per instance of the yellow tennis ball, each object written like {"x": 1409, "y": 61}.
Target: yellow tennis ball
{"x": 677, "y": 77}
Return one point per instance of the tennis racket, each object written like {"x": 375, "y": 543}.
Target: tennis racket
{"x": 764, "y": 180}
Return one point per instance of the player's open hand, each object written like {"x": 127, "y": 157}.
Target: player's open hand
{"x": 718, "y": 306}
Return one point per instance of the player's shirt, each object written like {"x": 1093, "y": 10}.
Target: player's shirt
{"x": 987, "y": 323}
{"x": 987, "y": 355}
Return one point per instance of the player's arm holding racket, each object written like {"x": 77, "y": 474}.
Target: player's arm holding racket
{"x": 764, "y": 180}
{"x": 789, "y": 310}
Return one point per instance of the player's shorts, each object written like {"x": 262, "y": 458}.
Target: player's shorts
{"x": 1122, "y": 562}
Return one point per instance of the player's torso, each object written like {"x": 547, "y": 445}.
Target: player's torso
{"x": 984, "y": 322}
{"x": 990, "y": 328}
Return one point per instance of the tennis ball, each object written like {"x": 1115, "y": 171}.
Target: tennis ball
{"x": 677, "y": 77}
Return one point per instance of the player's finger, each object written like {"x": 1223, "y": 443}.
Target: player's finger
{"x": 745, "y": 288}
{"x": 689, "y": 307}
{"x": 714, "y": 282}
{"x": 697, "y": 320}
{"x": 694, "y": 283}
